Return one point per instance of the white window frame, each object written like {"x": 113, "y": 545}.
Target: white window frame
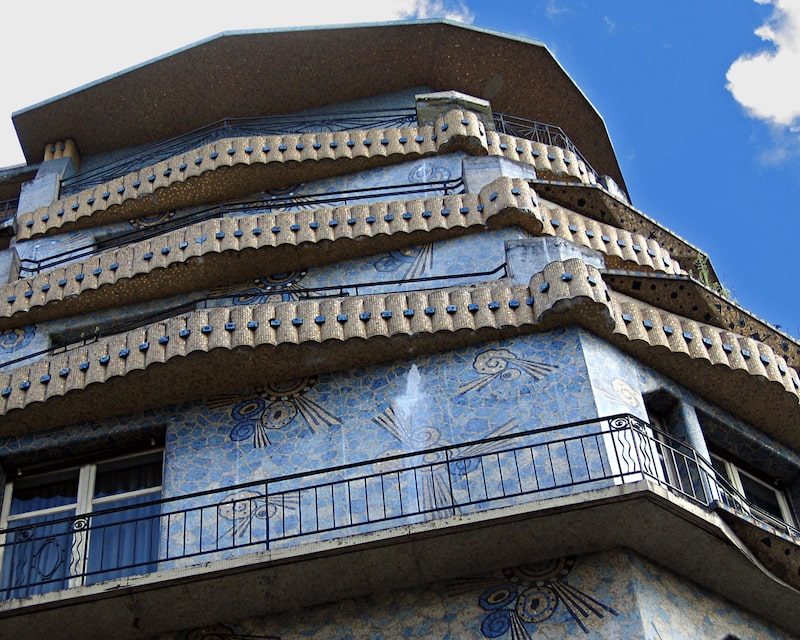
{"x": 733, "y": 473}
{"x": 84, "y": 504}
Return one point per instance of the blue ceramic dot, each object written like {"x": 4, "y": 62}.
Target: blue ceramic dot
{"x": 493, "y": 196}
{"x": 163, "y": 340}
{"x": 90, "y": 200}
{"x": 572, "y": 228}
{"x": 295, "y": 227}
{"x": 503, "y": 146}
{"x": 219, "y": 235}
{"x": 297, "y": 322}
{"x": 445, "y": 126}
{"x": 165, "y": 250}
{"x": 114, "y": 266}
{"x": 764, "y": 359}
{"x": 364, "y": 316}
{"x": 265, "y": 148}
{"x": 12, "y": 299}
{"x": 451, "y": 308}
{"x": 386, "y": 314}
{"x": 333, "y": 144}
{"x": 314, "y": 225}
{"x": 256, "y": 231}
{"x": 688, "y": 336}
{"x": 75, "y": 205}
{"x": 6, "y": 392}
{"x": 708, "y": 342}
{"x": 388, "y": 217}
{"x": 252, "y": 324}
{"x": 605, "y": 239}
{"x": 367, "y": 142}
{"x": 408, "y": 313}
{"x": 351, "y": 144}
{"x": 185, "y": 333}
{"x": 445, "y": 212}
{"x": 274, "y": 323}
{"x": 342, "y": 317}
{"x": 556, "y": 224}
{"x": 183, "y": 244}
{"x": 238, "y": 233}
{"x": 213, "y": 155}
{"x": 426, "y": 214}
{"x": 515, "y": 191}
{"x": 198, "y": 161}
{"x": 45, "y": 378}
{"x": 544, "y": 287}
{"x": 282, "y": 147}
{"x": 319, "y": 320}
{"x": 28, "y": 294}
{"x": 151, "y": 178}
{"x": 529, "y": 301}
{"x": 589, "y": 233}
{"x": 566, "y": 277}
{"x": 45, "y": 287}
{"x": 29, "y": 223}
{"x": 472, "y": 307}
{"x": 230, "y": 151}
{"x": 494, "y": 305}
{"x": 403, "y": 140}
{"x": 63, "y": 372}
{"x": 106, "y": 195}
{"x": 248, "y": 150}
{"x": 513, "y": 304}
{"x": 591, "y": 281}
{"x": 206, "y": 329}
{"x": 25, "y": 384}
{"x": 370, "y": 219}
{"x": 148, "y": 256}
{"x": 104, "y": 360}
{"x": 182, "y": 166}
{"x": 83, "y": 366}
{"x": 230, "y": 326}
{"x": 637, "y": 248}
{"x": 407, "y": 215}
{"x": 745, "y": 354}
{"x": 429, "y": 311}
{"x": 647, "y": 324}
{"x": 384, "y": 141}
{"x": 627, "y": 318}
{"x": 464, "y": 210}
{"x": 317, "y": 145}
{"x": 124, "y": 353}
{"x": 351, "y": 221}
{"x": 669, "y": 330}
{"x": 275, "y": 229}
{"x": 333, "y": 222}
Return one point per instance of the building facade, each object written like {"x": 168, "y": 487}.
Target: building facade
{"x": 290, "y": 351}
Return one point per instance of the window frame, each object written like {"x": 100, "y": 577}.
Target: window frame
{"x": 85, "y": 503}
{"x": 733, "y": 474}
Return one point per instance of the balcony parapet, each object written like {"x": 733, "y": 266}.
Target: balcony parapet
{"x": 217, "y": 251}
{"x": 222, "y": 350}
{"x": 367, "y": 496}
{"x": 251, "y": 163}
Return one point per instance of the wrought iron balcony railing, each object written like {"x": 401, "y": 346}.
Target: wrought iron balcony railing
{"x": 548, "y": 134}
{"x": 8, "y": 208}
{"x": 178, "y": 531}
{"x": 234, "y": 127}
{"x": 274, "y": 125}
{"x": 276, "y": 292}
{"x": 263, "y": 203}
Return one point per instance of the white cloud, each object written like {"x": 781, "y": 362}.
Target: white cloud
{"x": 66, "y": 44}
{"x": 766, "y": 83}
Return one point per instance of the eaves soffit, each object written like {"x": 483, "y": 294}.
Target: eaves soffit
{"x": 267, "y": 72}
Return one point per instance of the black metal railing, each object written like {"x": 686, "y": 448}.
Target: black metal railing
{"x": 8, "y": 208}
{"x": 263, "y": 203}
{"x": 235, "y": 127}
{"x": 276, "y": 292}
{"x": 275, "y": 125}
{"x": 544, "y": 133}
{"x": 356, "y": 498}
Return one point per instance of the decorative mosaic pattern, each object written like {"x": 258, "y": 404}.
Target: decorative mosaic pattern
{"x": 13, "y": 340}
{"x": 613, "y": 596}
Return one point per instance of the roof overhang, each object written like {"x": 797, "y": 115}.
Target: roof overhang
{"x": 266, "y": 72}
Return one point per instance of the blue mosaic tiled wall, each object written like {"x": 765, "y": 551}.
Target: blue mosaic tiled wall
{"x": 608, "y": 596}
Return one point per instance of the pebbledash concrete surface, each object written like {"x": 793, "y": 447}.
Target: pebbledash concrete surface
{"x": 374, "y": 355}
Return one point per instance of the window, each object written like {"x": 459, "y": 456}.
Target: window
{"x": 770, "y": 503}
{"x": 50, "y": 540}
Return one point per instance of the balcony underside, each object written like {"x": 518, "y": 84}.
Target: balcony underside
{"x": 639, "y": 516}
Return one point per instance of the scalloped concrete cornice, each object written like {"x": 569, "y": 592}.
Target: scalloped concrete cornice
{"x": 216, "y": 252}
{"x": 219, "y": 350}
{"x": 232, "y": 167}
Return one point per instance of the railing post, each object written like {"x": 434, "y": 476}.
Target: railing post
{"x": 450, "y": 480}
{"x": 266, "y": 514}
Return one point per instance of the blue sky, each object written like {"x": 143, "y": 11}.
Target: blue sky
{"x": 724, "y": 177}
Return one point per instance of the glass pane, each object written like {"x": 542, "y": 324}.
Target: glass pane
{"x": 124, "y": 542}
{"x": 36, "y": 556}
{"x": 761, "y": 495}
{"x": 128, "y": 474}
{"x": 44, "y": 492}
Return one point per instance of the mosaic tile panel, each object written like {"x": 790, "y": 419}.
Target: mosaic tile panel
{"x": 606, "y": 596}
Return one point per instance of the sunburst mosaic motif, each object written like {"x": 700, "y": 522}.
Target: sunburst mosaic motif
{"x": 412, "y": 262}
{"x": 503, "y": 364}
{"x": 272, "y": 408}
{"x": 525, "y": 596}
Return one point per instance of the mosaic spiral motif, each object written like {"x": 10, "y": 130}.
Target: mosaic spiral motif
{"x": 412, "y": 262}
{"x": 276, "y": 406}
{"x": 429, "y": 172}
{"x": 12, "y": 340}
{"x": 145, "y": 222}
{"x": 279, "y": 287}
{"x": 529, "y": 594}
{"x": 503, "y": 364}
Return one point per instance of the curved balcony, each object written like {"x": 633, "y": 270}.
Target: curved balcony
{"x": 363, "y": 497}
{"x": 265, "y": 203}
{"x": 547, "y": 134}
